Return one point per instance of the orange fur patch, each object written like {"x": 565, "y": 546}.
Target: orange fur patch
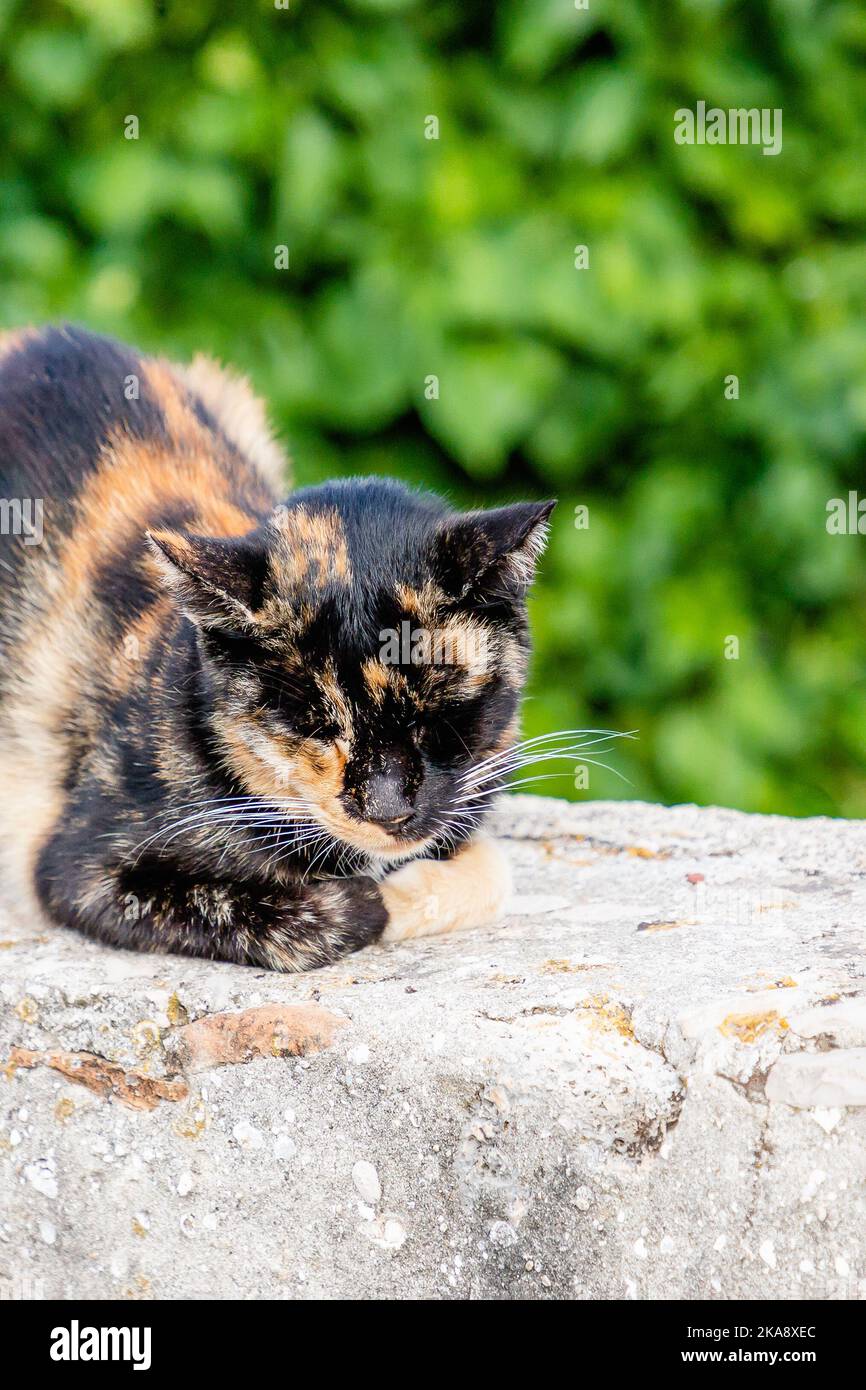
{"x": 422, "y": 604}
{"x": 375, "y": 678}
{"x": 240, "y": 415}
{"x": 16, "y": 339}
{"x": 311, "y": 546}
{"x": 135, "y": 484}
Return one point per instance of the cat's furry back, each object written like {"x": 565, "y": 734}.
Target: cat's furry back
{"x": 201, "y": 749}
{"x": 104, "y": 443}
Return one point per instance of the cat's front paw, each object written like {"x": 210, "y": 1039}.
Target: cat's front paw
{"x": 431, "y": 896}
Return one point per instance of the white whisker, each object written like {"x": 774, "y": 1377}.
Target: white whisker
{"x": 539, "y": 777}
{"x": 515, "y": 764}
{"x": 541, "y": 739}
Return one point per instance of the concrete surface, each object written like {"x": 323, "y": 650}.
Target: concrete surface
{"x": 649, "y": 1081}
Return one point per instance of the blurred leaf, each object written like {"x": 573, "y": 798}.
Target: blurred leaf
{"x": 54, "y": 67}
{"x": 121, "y": 188}
{"x": 118, "y": 26}
{"x": 534, "y": 37}
{"x": 603, "y": 116}
{"x": 360, "y": 378}
{"x": 489, "y": 397}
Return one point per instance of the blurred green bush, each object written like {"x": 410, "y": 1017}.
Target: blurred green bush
{"x": 454, "y": 257}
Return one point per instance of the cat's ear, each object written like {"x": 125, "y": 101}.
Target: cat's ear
{"x": 217, "y": 581}
{"x": 493, "y": 552}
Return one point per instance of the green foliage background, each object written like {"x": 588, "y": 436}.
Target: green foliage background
{"x": 305, "y": 127}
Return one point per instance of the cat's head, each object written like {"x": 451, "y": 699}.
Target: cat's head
{"x": 364, "y": 652}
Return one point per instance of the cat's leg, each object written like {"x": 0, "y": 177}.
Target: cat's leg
{"x": 431, "y": 896}
{"x": 298, "y": 926}
{"x": 289, "y": 927}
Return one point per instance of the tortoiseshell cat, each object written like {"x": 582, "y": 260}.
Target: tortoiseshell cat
{"x": 211, "y": 740}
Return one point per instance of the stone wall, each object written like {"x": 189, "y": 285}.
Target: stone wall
{"x": 649, "y": 1081}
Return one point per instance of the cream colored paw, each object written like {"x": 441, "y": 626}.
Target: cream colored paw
{"x": 430, "y": 896}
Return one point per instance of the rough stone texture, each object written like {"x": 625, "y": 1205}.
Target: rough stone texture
{"x": 649, "y": 1081}
{"x": 268, "y": 1030}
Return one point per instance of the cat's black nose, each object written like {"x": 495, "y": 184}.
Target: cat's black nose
{"x": 385, "y": 801}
